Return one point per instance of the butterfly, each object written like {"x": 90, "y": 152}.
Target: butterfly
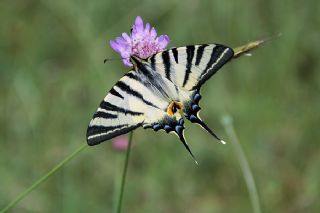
{"x": 159, "y": 92}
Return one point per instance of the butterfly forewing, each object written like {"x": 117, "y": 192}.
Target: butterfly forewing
{"x": 132, "y": 102}
{"x": 114, "y": 116}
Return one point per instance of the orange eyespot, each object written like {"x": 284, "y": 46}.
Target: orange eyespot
{"x": 173, "y": 108}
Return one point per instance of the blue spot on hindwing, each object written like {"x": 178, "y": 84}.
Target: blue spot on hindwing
{"x": 167, "y": 128}
{"x": 193, "y": 118}
{"x": 179, "y": 129}
{"x": 181, "y": 121}
{"x": 197, "y": 97}
{"x": 156, "y": 127}
{"x": 195, "y": 107}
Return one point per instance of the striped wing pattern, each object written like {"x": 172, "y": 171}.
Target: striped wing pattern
{"x": 113, "y": 117}
{"x": 190, "y": 66}
{"x": 142, "y": 96}
{"x": 132, "y": 102}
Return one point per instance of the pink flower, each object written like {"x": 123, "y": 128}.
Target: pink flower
{"x": 120, "y": 143}
{"x": 143, "y": 42}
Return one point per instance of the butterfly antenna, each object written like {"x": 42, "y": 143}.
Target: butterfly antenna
{"x": 179, "y": 132}
{"x": 112, "y": 59}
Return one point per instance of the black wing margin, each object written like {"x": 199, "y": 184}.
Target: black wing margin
{"x": 219, "y": 56}
{"x": 106, "y": 125}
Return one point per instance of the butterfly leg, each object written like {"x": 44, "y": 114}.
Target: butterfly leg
{"x": 191, "y": 112}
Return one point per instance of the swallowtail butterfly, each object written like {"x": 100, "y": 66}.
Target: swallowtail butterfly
{"x": 158, "y": 92}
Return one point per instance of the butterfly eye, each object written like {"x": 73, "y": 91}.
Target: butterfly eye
{"x": 173, "y": 108}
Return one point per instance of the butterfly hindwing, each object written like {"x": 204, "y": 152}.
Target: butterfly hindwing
{"x": 190, "y": 66}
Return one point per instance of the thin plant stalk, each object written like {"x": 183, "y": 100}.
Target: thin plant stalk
{"x": 43, "y": 179}
{"x": 117, "y": 179}
{"x": 124, "y": 174}
{"x": 245, "y": 168}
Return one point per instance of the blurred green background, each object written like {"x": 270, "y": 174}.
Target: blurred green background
{"x": 53, "y": 78}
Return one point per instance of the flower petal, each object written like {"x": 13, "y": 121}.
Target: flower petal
{"x": 163, "y": 41}
{"x": 125, "y": 53}
{"x": 121, "y": 41}
{"x": 138, "y": 24}
{"x": 127, "y": 62}
{"x": 147, "y": 29}
{"x": 153, "y": 33}
{"x": 114, "y": 45}
{"x": 126, "y": 37}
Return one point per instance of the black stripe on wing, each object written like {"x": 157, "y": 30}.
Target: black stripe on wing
{"x": 167, "y": 63}
{"x": 190, "y": 53}
{"x": 133, "y": 76}
{"x": 153, "y": 62}
{"x": 175, "y": 55}
{"x": 106, "y": 115}
{"x": 115, "y": 93}
{"x": 108, "y": 106}
{"x": 200, "y": 51}
{"x": 127, "y": 89}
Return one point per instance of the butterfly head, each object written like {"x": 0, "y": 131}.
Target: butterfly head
{"x": 174, "y": 108}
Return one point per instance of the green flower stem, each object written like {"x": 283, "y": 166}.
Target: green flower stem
{"x": 116, "y": 180}
{"x": 245, "y": 168}
{"x": 43, "y": 178}
{"x": 124, "y": 174}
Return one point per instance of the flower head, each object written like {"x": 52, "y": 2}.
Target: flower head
{"x": 143, "y": 42}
